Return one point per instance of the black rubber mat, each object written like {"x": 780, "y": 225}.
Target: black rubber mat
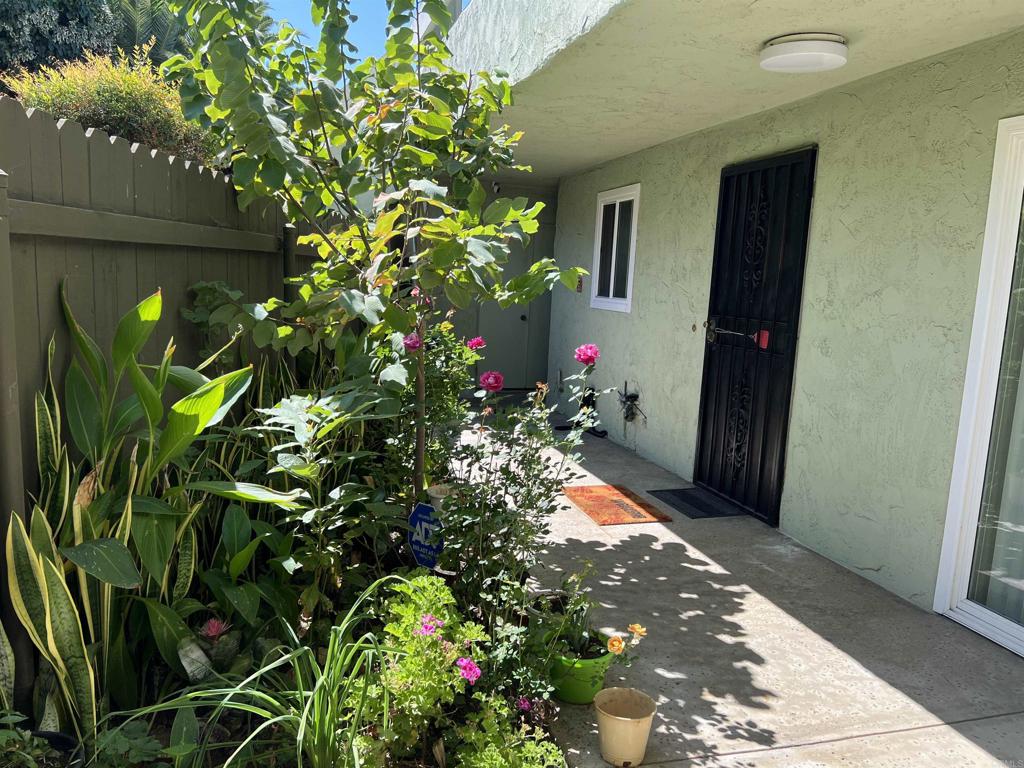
{"x": 696, "y": 503}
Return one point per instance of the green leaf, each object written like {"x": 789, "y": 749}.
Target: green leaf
{"x": 107, "y": 559}
{"x": 68, "y": 644}
{"x": 83, "y": 408}
{"x": 240, "y": 561}
{"x": 477, "y": 197}
{"x": 169, "y": 631}
{"x": 236, "y": 530}
{"x": 428, "y": 188}
{"x": 264, "y": 332}
{"x": 124, "y": 416}
{"x": 457, "y": 295}
{"x": 134, "y": 329}
{"x": 185, "y": 379}
{"x": 154, "y": 526}
{"x": 246, "y": 600}
{"x": 398, "y": 318}
{"x": 396, "y": 374}
{"x": 6, "y": 671}
{"x": 122, "y": 677}
{"x": 25, "y": 581}
{"x": 184, "y": 733}
{"x": 86, "y": 347}
{"x": 193, "y": 413}
{"x": 149, "y": 398}
{"x": 250, "y": 492}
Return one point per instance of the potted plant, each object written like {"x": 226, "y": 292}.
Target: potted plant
{"x": 580, "y": 655}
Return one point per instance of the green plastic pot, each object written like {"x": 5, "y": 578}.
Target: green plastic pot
{"x": 578, "y": 681}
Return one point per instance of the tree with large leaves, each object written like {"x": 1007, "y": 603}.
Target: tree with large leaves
{"x": 314, "y": 130}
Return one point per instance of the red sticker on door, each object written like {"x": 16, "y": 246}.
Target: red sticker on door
{"x": 761, "y": 337}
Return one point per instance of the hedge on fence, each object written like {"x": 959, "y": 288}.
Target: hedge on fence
{"x": 125, "y": 96}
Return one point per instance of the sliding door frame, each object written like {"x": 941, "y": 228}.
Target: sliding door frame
{"x": 999, "y": 254}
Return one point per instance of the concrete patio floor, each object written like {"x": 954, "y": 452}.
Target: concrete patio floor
{"x": 762, "y": 653}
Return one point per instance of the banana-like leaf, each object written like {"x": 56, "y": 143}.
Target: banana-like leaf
{"x": 186, "y": 380}
{"x": 86, "y": 347}
{"x": 121, "y": 675}
{"x": 154, "y": 526}
{"x": 195, "y": 412}
{"x": 134, "y": 329}
{"x": 124, "y": 416}
{"x": 148, "y": 395}
{"x": 6, "y": 671}
{"x": 259, "y": 494}
{"x": 169, "y": 632}
{"x": 84, "y": 418}
{"x": 106, "y": 559}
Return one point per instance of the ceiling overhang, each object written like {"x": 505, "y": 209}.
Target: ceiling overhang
{"x": 599, "y": 79}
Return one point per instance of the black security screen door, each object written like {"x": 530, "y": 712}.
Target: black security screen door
{"x": 760, "y": 242}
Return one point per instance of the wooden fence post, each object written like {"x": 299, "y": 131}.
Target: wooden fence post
{"x": 12, "y": 491}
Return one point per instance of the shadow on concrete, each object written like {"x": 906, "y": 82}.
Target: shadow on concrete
{"x": 694, "y": 657}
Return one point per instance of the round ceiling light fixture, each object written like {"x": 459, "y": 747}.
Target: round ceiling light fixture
{"x": 804, "y": 52}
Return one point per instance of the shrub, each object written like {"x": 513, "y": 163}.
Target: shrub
{"x": 124, "y": 96}
{"x": 493, "y": 738}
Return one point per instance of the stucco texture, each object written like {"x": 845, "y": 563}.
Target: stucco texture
{"x": 897, "y": 224}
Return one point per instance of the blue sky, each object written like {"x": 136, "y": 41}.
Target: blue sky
{"x": 367, "y": 33}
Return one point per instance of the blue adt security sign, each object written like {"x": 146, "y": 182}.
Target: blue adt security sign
{"x": 425, "y": 535}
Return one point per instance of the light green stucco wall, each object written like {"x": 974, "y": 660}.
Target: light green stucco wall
{"x": 897, "y": 223}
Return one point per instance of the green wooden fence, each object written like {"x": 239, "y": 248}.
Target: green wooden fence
{"x": 119, "y": 220}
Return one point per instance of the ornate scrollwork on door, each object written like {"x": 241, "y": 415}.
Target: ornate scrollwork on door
{"x": 755, "y": 242}
{"x": 738, "y": 425}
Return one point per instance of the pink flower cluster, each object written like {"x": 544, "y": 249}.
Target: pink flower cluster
{"x": 587, "y": 354}
{"x": 469, "y": 670}
{"x": 477, "y": 342}
{"x": 524, "y": 704}
{"x": 213, "y": 629}
{"x": 412, "y": 342}
{"x": 492, "y": 381}
{"x": 429, "y": 625}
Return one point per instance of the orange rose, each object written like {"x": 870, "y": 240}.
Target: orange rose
{"x": 616, "y": 645}
{"x": 637, "y": 630}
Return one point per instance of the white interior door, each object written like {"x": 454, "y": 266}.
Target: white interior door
{"x": 981, "y": 573}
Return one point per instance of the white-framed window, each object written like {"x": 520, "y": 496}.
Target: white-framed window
{"x": 611, "y": 280}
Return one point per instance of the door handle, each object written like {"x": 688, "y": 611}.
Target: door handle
{"x": 523, "y": 318}
{"x": 761, "y": 338}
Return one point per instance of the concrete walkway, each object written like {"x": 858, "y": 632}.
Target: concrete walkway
{"x": 762, "y": 653}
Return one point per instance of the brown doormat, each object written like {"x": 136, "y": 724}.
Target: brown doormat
{"x": 613, "y": 505}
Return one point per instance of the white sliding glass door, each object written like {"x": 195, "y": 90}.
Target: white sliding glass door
{"x": 981, "y": 574}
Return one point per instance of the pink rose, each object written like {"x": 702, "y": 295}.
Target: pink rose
{"x": 523, "y": 704}
{"x": 412, "y": 342}
{"x": 492, "y": 381}
{"x": 469, "y": 670}
{"x": 477, "y": 342}
{"x": 587, "y": 354}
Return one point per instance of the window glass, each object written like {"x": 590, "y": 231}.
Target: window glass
{"x": 604, "y": 274}
{"x": 621, "y": 282}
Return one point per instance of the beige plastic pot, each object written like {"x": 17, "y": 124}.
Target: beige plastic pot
{"x": 624, "y": 718}
{"x": 437, "y": 494}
